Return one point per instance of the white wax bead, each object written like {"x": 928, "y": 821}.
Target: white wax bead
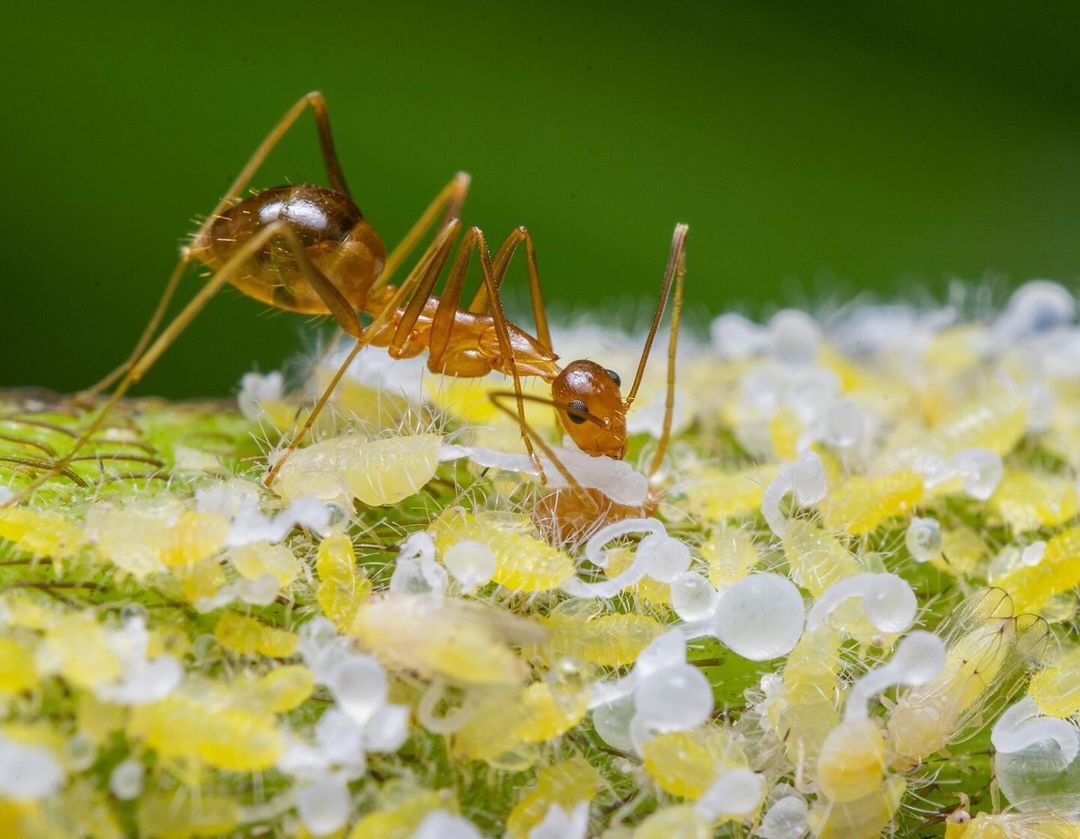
{"x": 471, "y": 563}
{"x": 786, "y": 819}
{"x": 358, "y": 684}
{"x": 981, "y": 470}
{"x": 323, "y": 805}
{"x": 918, "y": 659}
{"x": 888, "y": 601}
{"x": 760, "y": 617}
{"x": 28, "y": 772}
{"x": 923, "y": 539}
{"x": 126, "y": 779}
{"x": 612, "y": 723}
{"x": 737, "y": 792}
{"x": 734, "y": 336}
{"x": 662, "y": 557}
{"x": 693, "y": 597}
{"x": 1032, "y": 555}
{"x": 442, "y": 825}
{"x": 1022, "y": 726}
{"x": 793, "y": 337}
{"x": 674, "y": 699}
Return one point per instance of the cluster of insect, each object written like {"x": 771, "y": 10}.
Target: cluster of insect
{"x": 839, "y": 600}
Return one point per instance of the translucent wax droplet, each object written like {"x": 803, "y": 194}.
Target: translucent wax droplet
{"x": 665, "y": 558}
{"x": 887, "y": 600}
{"x": 808, "y": 479}
{"x": 1022, "y": 726}
{"x": 737, "y": 792}
{"x": 760, "y": 617}
{"x": 664, "y": 651}
{"x": 1032, "y": 555}
{"x": 923, "y": 539}
{"x": 793, "y": 337}
{"x": 734, "y": 336}
{"x": 471, "y": 563}
{"x": 359, "y": 686}
{"x": 918, "y": 659}
{"x": 323, "y": 805}
{"x": 126, "y": 779}
{"x": 442, "y": 825}
{"x": 612, "y": 723}
{"x": 674, "y": 699}
{"x": 786, "y": 819}
{"x": 693, "y": 597}
{"x": 981, "y": 470}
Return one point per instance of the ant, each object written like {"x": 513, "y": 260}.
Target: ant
{"x": 309, "y": 249}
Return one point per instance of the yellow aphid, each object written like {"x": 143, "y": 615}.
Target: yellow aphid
{"x": 44, "y": 535}
{"x": 685, "y": 763}
{"x": 28, "y": 610}
{"x": 97, "y": 719}
{"x": 182, "y": 814}
{"x": 377, "y": 472}
{"x": 89, "y": 809}
{"x": 147, "y": 535}
{"x": 1047, "y": 825}
{"x": 613, "y": 640}
{"x": 247, "y": 636}
{"x": 203, "y": 579}
{"x": 257, "y": 558}
{"x": 730, "y": 554}
{"x": 851, "y": 763}
{"x": 523, "y": 562}
{"x": 401, "y": 820}
{"x": 860, "y": 504}
{"x": 864, "y": 818}
{"x": 816, "y": 558}
{"x": 1056, "y": 688}
{"x": 997, "y": 422}
{"x": 17, "y": 670}
{"x": 806, "y": 712}
{"x": 1057, "y": 572}
{"x": 1029, "y": 500}
{"x": 547, "y": 713}
{"x": 987, "y": 654}
{"x": 491, "y": 732}
{"x": 784, "y": 430}
{"x": 77, "y": 647}
{"x": 952, "y": 350}
{"x": 679, "y": 822}
{"x": 284, "y": 688}
{"x": 202, "y": 727}
{"x": 564, "y": 785}
{"x": 341, "y": 589}
{"x": 962, "y": 549}
{"x": 463, "y": 642}
{"x": 715, "y": 496}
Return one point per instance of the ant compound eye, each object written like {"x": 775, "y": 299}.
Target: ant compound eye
{"x": 577, "y": 411}
{"x": 614, "y": 377}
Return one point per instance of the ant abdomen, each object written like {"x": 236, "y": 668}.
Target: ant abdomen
{"x": 327, "y": 224}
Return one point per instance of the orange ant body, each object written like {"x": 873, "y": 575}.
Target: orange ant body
{"x": 309, "y": 249}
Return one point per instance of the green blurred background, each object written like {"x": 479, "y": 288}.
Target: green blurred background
{"x": 816, "y": 149}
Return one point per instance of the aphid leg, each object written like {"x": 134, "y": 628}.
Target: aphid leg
{"x": 337, "y": 304}
{"x": 333, "y": 173}
{"x": 675, "y": 266}
{"x": 429, "y": 266}
{"x": 678, "y": 254}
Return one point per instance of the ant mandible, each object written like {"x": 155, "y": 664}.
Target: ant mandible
{"x": 309, "y": 249}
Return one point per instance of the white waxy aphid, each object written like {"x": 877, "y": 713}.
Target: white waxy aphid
{"x": 736, "y": 337}
{"x": 471, "y": 563}
{"x": 785, "y": 819}
{"x": 760, "y": 617}
{"x": 616, "y": 479}
{"x": 323, "y": 805}
{"x": 805, "y": 479}
{"x": 923, "y": 538}
{"x": 658, "y": 556}
{"x": 258, "y": 592}
{"x": 887, "y": 600}
{"x": 693, "y": 597}
{"x": 249, "y": 525}
{"x": 919, "y": 658}
{"x": 27, "y": 772}
{"x": 793, "y": 337}
{"x": 416, "y": 571}
{"x": 737, "y": 792}
{"x": 980, "y": 471}
{"x": 358, "y": 684}
{"x": 560, "y": 824}
{"x": 126, "y": 779}
{"x": 442, "y": 825}
{"x": 1022, "y": 726}
{"x": 257, "y": 387}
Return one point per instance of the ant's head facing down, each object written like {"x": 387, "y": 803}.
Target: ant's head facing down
{"x": 591, "y": 408}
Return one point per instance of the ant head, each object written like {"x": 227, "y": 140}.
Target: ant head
{"x": 591, "y": 408}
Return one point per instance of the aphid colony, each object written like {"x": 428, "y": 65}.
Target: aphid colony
{"x": 852, "y": 613}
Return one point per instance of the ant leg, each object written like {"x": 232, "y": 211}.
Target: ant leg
{"x": 448, "y": 202}
{"x": 673, "y": 339}
{"x": 676, "y": 264}
{"x": 333, "y": 173}
{"x": 481, "y": 303}
{"x": 423, "y": 274}
{"x": 334, "y": 300}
